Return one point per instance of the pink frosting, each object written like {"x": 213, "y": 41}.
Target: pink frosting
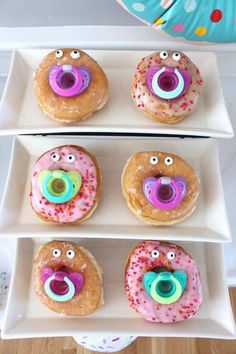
{"x": 77, "y": 207}
{"x": 141, "y": 261}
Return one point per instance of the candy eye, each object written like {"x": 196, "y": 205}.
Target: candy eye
{"x": 70, "y": 254}
{"x": 75, "y": 54}
{"x": 170, "y": 255}
{"x": 168, "y": 161}
{"x": 56, "y": 253}
{"x": 59, "y": 53}
{"x": 155, "y": 254}
{"x": 55, "y": 157}
{"x": 163, "y": 55}
{"x": 70, "y": 158}
{"x": 154, "y": 160}
{"x": 176, "y": 56}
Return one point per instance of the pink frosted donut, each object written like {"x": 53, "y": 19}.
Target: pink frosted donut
{"x": 162, "y": 282}
{"x": 65, "y": 185}
{"x": 167, "y": 86}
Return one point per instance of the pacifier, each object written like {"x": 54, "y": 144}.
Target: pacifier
{"x": 165, "y": 287}
{"x": 62, "y": 285}
{"x": 165, "y": 193}
{"x": 167, "y": 82}
{"x": 69, "y": 80}
{"x": 58, "y": 186}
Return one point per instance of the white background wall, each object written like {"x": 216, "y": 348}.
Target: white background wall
{"x": 27, "y": 13}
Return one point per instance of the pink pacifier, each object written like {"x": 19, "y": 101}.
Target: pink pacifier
{"x": 167, "y": 82}
{"x": 69, "y": 80}
{"x": 62, "y": 285}
{"x": 165, "y": 193}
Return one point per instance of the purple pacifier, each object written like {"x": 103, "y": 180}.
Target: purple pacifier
{"x": 167, "y": 82}
{"x": 61, "y": 285}
{"x": 69, "y": 80}
{"x": 165, "y": 193}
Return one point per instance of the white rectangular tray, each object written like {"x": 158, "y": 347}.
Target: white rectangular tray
{"x": 7, "y": 261}
{"x": 27, "y": 317}
{"x": 113, "y": 218}
{"x": 20, "y": 114}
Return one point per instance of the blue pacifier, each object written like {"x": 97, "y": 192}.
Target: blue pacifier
{"x": 165, "y": 287}
{"x": 58, "y": 186}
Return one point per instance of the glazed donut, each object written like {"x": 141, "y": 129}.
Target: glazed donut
{"x": 160, "y": 188}
{"x": 201, "y": 20}
{"x": 67, "y": 279}
{"x": 166, "y": 86}
{"x": 65, "y": 185}
{"x": 70, "y": 86}
{"x": 162, "y": 282}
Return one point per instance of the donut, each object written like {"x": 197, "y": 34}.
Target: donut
{"x": 201, "y": 20}
{"x": 65, "y": 185}
{"x": 162, "y": 282}
{"x": 166, "y": 86}
{"x": 67, "y": 279}
{"x": 69, "y": 85}
{"x": 160, "y": 188}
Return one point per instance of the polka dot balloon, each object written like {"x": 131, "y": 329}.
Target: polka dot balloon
{"x": 195, "y": 20}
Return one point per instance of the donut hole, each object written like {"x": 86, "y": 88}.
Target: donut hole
{"x": 168, "y": 81}
{"x": 60, "y": 287}
{"x": 165, "y": 287}
{"x": 165, "y": 193}
{"x": 67, "y": 80}
{"x": 58, "y": 186}
{"x": 161, "y": 269}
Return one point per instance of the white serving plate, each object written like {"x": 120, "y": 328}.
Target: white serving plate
{"x": 113, "y": 218}
{"x": 27, "y": 317}
{"x": 20, "y": 114}
{"x": 7, "y": 260}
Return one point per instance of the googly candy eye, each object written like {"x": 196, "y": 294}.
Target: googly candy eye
{"x": 59, "y": 53}
{"x": 55, "y": 157}
{"x": 164, "y": 54}
{"x": 70, "y": 158}
{"x": 176, "y": 56}
{"x": 70, "y": 254}
{"x": 154, "y": 160}
{"x": 75, "y": 54}
{"x": 170, "y": 255}
{"x": 169, "y": 161}
{"x": 56, "y": 252}
{"x": 155, "y": 254}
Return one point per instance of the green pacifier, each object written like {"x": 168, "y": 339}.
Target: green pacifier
{"x": 165, "y": 287}
{"x": 58, "y": 186}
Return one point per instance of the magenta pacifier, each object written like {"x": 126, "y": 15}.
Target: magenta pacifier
{"x": 62, "y": 285}
{"x": 168, "y": 82}
{"x": 69, "y": 80}
{"x": 165, "y": 193}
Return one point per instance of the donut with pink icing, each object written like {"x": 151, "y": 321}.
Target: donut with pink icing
{"x": 65, "y": 185}
{"x": 167, "y": 86}
{"x": 162, "y": 282}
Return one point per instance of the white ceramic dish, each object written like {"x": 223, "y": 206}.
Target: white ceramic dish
{"x": 112, "y": 217}
{"x": 19, "y": 112}
{"x": 27, "y": 317}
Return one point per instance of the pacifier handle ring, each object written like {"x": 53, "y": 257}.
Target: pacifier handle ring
{"x": 55, "y": 74}
{"x": 169, "y": 205}
{"x": 55, "y": 199}
{"x": 166, "y": 300}
{"x": 54, "y": 296}
{"x": 168, "y": 95}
